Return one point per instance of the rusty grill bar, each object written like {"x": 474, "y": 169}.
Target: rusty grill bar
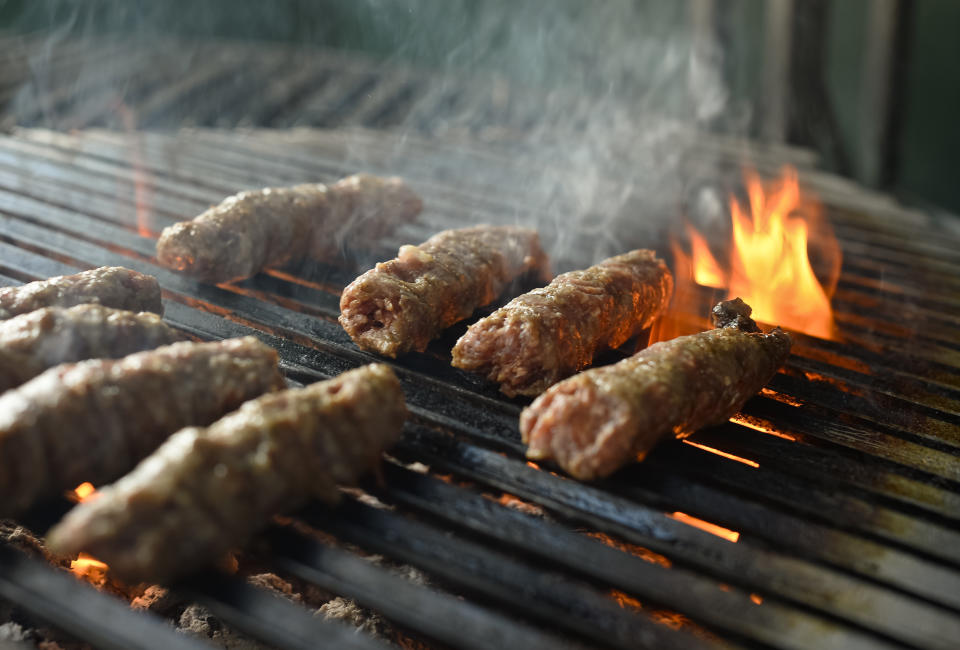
{"x": 848, "y": 533}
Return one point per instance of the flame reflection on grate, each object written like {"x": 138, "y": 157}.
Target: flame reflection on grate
{"x": 713, "y": 529}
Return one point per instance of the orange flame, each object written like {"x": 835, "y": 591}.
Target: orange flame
{"x": 142, "y": 186}
{"x": 772, "y": 241}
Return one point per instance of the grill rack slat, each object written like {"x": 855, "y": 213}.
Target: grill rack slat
{"x": 726, "y": 608}
{"x": 42, "y": 590}
{"x": 438, "y": 615}
{"x": 540, "y": 593}
{"x": 812, "y": 586}
{"x": 271, "y": 618}
{"x": 327, "y": 350}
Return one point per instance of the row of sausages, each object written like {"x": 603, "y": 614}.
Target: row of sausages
{"x": 224, "y": 478}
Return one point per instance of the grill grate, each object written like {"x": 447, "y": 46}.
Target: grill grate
{"x": 163, "y": 82}
{"x": 848, "y": 532}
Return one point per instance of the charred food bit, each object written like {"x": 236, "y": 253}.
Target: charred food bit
{"x": 33, "y": 342}
{"x": 403, "y": 304}
{"x": 259, "y": 229}
{"x": 595, "y": 422}
{"x": 110, "y": 286}
{"x": 93, "y": 420}
{"x": 550, "y": 333}
{"x": 205, "y": 491}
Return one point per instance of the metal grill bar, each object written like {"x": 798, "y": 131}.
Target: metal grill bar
{"x": 542, "y": 593}
{"x": 270, "y": 618}
{"x": 57, "y": 598}
{"x": 729, "y": 609}
{"x": 439, "y": 615}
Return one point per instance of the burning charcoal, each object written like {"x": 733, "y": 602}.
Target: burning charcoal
{"x": 33, "y": 342}
{"x": 403, "y": 304}
{"x": 93, "y": 420}
{"x": 548, "y": 334}
{"x": 110, "y": 286}
{"x": 224, "y": 482}
{"x": 601, "y": 419}
{"x": 267, "y": 228}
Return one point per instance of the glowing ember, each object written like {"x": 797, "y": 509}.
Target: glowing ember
{"x": 89, "y": 568}
{"x": 750, "y": 424}
{"x": 82, "y": 492}
{"x": 769, "y": 261}
{"x": 756, "y": 599}
{"x": 644, "y": 554}
{"x": 713, "y": 529}
{"x": 626, "y": 601}
{"x": 739, "y": 459}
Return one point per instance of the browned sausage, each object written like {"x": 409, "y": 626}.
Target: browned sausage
{"x": 594, "y": 423}
{"x": 205, "y": 491}
{"x": 93, "y": 420}
{"x": 548, "y": 334}
{"x": 403, "y": 304}
{"x": 33, "y": 342}
{"x": 110, "y": 286}
{"x": 259, "y": 229}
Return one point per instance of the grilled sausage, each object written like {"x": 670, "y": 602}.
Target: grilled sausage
{"x": 593, "y": 423}
{"x": 93, "y": 420}
{"x": 403, "y": 304}
{"x": 550, "y": 333}
{"x": 266, "y": 228}
{"x": 205, "y": 491}
{"x": 33, "y": 342}
{"x": 110, "y": 286}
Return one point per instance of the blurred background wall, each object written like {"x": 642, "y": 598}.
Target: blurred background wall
{"x": 624, "y": 48}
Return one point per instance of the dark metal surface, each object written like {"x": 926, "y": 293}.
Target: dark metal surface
{"x": 848, "y": 527}
{"x": 105, "y": 621}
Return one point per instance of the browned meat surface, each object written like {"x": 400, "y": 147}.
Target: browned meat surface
{"x": 110, "y": 286}
{"x": 33, "y": 342}
{"x": 593, "y": 423}
{"x": 266, "y": 228}
{"x": 550, "y": 333}
{"x": 403, "y": 304}
{"x": 93, "y": 420}
{"x": 205, "y": 491}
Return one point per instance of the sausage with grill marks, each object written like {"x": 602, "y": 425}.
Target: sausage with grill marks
{"x": 267, "y": 228}
{"x": 93, "y": 420}
{"x": 403, "y": 304}
{"x": 594, "y": 423}
{"x": 110, "y": 286}
{"x": 548, "y": 334}
{"x": 205, "y": 491}
{"x": 33, "y": 342}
